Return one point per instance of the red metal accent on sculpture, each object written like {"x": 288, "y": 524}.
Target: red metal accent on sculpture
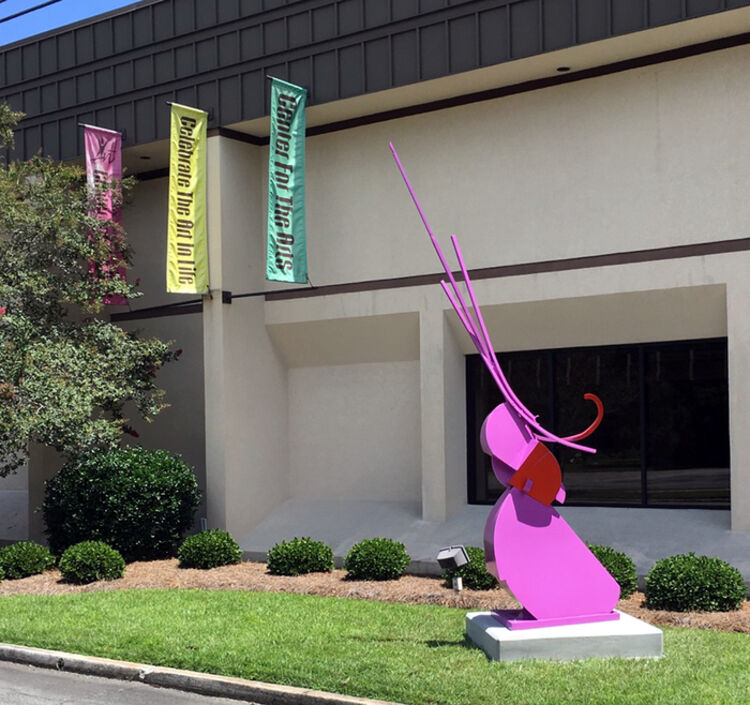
{"x": 529, "y": 547}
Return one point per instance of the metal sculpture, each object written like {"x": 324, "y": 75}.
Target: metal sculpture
{"x": 529, "y": 547}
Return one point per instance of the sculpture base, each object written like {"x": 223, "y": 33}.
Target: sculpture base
{"x": 521, "y": 619}
{"x": 626, "y": 637}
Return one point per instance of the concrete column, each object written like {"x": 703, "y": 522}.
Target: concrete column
{"x": 454, "y": 405}
{"x": 256, "y": 418}
{"x": 738, "y": 336}
{"x": 443, "y": 400}
{"x": 247, "y": 456}
{"x": 213, "y": 348}
{"x": 432, "y": 396}
{"x": 213, "y": 379}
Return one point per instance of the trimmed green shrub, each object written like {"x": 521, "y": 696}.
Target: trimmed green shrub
{"x": 690, "y": 583}
{"x": 620, "y": 566}
{"x": 376, "y": 559}
{"x": 89, "y": 561}
{"x": 2, "y": 573}
{"x": 25, "y": 558}
{"x": 209, "y": 549}
{"x": 138, "y": 501}
{"x": 298, "y": 556}
{"x": 475, "y": 574}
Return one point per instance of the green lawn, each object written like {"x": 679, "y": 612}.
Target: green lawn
{"x": 410, "y": 654}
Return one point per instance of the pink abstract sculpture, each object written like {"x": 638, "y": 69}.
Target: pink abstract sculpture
{"x": 529, "y": 547}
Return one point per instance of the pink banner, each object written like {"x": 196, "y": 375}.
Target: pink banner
{"x": 104, "y": 165}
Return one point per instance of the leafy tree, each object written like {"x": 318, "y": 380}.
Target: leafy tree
{"x": 65, "y": 375}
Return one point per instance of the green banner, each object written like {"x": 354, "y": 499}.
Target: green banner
{"x": 286, "y": 248}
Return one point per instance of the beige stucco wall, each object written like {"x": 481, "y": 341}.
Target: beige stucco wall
{"x": 362, "y": 395}
{"x": 354, "y": 431}
{"x": 612, "y": 305}
{"x": 628, "y": 161}
{"x": 145, "y": 221}
{"x": 645, "y": 158}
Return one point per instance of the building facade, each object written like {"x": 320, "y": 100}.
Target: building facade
{"x": 591, "y": 156}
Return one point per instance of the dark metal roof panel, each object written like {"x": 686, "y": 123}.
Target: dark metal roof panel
{"x": 117, "y": 70}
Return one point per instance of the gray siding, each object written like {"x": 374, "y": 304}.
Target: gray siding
{"x": 119, "y": 70}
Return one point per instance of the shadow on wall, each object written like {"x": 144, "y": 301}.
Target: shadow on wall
{"x": 14, "y": 517}
{"x": 180, "y": 428}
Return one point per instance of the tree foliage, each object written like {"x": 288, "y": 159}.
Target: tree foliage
{"x": 65, "y": 374}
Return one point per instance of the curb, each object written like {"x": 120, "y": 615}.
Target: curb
{"x": 175, "y": 679}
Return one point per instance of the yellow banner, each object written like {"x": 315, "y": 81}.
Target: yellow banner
{"x": 187, "y": 257}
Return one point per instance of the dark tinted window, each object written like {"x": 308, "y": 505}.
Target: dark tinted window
{"x": 612, "y": 475}
{"x": 664, "y": 440}
{"x": 687, "y": 417}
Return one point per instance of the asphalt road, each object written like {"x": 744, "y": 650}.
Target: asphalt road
{"x": 26, "y": 685}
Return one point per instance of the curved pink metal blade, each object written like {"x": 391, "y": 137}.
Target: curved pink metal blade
{"x": 478, "y": 332}
{"x": 463, "y": 312}
{"x": 505, "y": 387}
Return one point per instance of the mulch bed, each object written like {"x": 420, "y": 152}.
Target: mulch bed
{"x": 410, "y": 588}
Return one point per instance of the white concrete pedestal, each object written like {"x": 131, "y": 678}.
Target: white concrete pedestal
{"x": 626, "y": 637}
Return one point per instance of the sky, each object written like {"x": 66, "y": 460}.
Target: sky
{"x": 56, "y": 14}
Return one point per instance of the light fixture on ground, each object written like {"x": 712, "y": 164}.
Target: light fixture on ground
{"x": 452, "y": 558}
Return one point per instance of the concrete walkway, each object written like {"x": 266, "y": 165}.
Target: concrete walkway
{"x": 644, "y": 534}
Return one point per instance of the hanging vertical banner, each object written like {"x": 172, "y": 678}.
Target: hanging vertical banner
{"x": 187, "y": 257}
{"x": 103, "y": 173}
{"x": 286, "y": 248}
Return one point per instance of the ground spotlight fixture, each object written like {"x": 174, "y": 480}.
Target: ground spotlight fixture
{"x": 452, "y": 558}
{"x": 562, "y": 69}
{"x": 144, "y": 157}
